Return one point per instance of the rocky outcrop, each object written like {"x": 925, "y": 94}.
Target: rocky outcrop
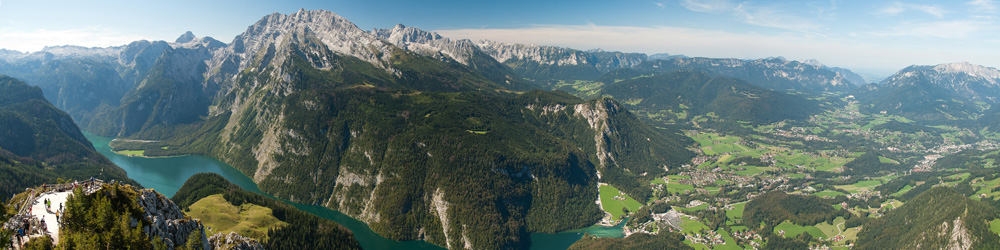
{"x": 596, "y": 115}
{"x": 167, "y": 221}
{"x": 428, "y": 43}
{"x": 552, "y": 55}
{"x": 233, "y": 241}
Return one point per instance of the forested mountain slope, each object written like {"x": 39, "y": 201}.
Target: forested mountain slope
{"x": 939, "y": 218}
{"x": 318, "y": 112}
{"x": 39, "y": 143}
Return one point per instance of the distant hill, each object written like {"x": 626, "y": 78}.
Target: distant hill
{"x": 39, "y": 143}
{"x": 939, "y": 218}
{"x": 699, "y": 93}
{"x": 773, "y": 208}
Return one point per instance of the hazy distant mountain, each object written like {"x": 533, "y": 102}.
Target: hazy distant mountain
{"x": 545, "y": 64}
{"x": 173, "y": 92}
{"x": 975, "y": 82}
{"x": 942, "y": 92}
{"x": 91, "y": 83}
{"x": 854, "y": 78}
{"x": 665, "y": 56}
{"x": 461, "y": 51}
{"x": 698, "y": 93}
{"x": 772, "y": 73}
{"x": 39, "y": 143}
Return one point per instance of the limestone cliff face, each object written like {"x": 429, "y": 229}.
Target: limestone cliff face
{"x": 549, "y": 63}
{"x": 167, "y": 221}
{"x": 233, "y": 241}
{"x": 398, "y": 128}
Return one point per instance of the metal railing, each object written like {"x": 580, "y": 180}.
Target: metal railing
{"x": 24, "y": 206}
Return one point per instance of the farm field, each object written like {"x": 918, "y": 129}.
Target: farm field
{"x": 615, "y": 206}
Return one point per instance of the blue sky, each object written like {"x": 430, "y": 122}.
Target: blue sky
{"x": 866, "y": 36}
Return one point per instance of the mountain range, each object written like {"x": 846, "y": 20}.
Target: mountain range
{"x": 459, "y": 143}
{"x": 954, "y": 91}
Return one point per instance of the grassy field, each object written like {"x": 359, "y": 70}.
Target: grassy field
{"x": 736, "y": 214}
{"x": 792, "y": 230}
{"x": 995, "y": 226}
{"x": 674, "y": 177}
{"x": 750, "y": 170}
{"x": 689, "y": 226}
{"x": 887, "y": 160}
{"x": 730, "y": 242}
{"x": 689, "y": 209}
{"x": 831, "y": 230}
{"x": 860, "y": 186}
{"x": 658, "y": 181}
{"x": 829, "y": 193}
{"x": 902, "y": 191}
{"x": 986, "y": 187}
{"x": 695, "y": 246}
{"x": 613, "y": 206}
{"x": 679, "y": 188}
{"x": 138, "y": 153}
{"x": 248, "y": 219}
{"x": 893, "y": 203}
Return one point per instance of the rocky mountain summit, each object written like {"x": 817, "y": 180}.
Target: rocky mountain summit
{"x": 967, "y": 80}
{"x": 941, "y": 92}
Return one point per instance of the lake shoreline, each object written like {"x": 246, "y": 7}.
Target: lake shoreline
{"x": 167, "y": 173}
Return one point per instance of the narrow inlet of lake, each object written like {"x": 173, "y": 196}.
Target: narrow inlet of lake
{"x": 167, "y": 174}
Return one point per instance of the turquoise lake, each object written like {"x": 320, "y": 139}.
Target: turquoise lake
{"x": 167, "y": 174}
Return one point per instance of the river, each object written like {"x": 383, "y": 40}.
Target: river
{"x": 167, "y": 174}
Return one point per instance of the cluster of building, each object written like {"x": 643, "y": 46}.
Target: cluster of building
{"x": 709, "y": 238}
{"x": 865, "y": 194}
{"x": 750, "y": 236}
{"x": 826, "y": 247}
{"x": 800, "y": 132}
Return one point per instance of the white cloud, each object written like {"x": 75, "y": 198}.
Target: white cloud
{"x": 899, "y": 8}
{"x": 710, "y": 6}
{"x": 930, "y": 10}
{"x": 660, "y": 4}
{"x": 773, "y": 16}
{"x": 892, "y": 10}
{"x": 885, "y": 57}
{"x": 954, "y": 29}
{"x": 987, "y": 6}
{"x": 35, "y": 40}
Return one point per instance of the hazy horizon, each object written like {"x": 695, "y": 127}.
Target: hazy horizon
{"x": 877, "y": 37}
